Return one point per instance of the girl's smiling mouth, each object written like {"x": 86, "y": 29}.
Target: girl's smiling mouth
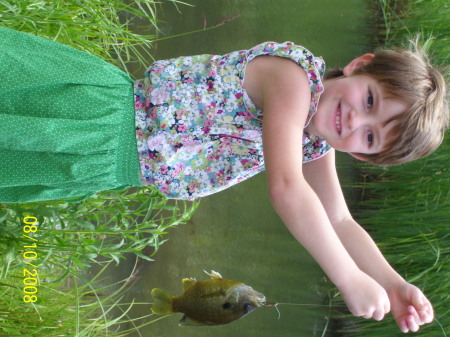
{"x": 338, "y": 119}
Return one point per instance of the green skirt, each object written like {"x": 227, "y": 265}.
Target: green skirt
{"x": 66, "y": 122}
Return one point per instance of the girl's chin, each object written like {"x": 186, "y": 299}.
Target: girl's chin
{"x": 336, "y": 147}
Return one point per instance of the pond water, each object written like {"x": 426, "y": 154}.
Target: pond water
{"x": 236, "y": 232}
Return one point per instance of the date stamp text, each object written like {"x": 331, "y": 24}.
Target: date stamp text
{"x": 30, "y": 275}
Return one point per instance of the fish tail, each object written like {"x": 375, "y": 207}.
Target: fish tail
{"x": 162, "y": 302}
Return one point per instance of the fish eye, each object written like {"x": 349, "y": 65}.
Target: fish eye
{"x": 226, "y": 305}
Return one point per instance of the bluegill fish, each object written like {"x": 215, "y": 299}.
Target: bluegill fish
{"x": 210, "y": 302}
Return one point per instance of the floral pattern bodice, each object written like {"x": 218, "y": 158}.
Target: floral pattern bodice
{"x": 197, "y": 130}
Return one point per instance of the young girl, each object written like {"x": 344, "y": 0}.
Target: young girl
{"x": 202, "y": 122}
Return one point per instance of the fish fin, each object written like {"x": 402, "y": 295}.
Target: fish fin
{"x": 163, "y": 302}
{"x": 213, "y": 274}
{"x": 187, "y": 282}
{"x": 187, "y": 321}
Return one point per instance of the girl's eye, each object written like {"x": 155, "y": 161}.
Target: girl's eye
{"x": 369, "y": 101}
{"x": 370, "y": 138}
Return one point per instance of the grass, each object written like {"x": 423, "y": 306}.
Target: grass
{"x": 400, "y": 19}
{"x": 71, "y": 307}
{"x": 102, "y": 28}
{"x": 105, "y": 227}
{"x": 67, "y": 240}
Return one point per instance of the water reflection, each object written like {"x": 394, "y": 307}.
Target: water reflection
{"x": 236, "y": 232}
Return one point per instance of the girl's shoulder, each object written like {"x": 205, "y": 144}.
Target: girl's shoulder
{"x": 314, "y": 66}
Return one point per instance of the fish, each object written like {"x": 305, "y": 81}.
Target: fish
{"x": 216, "y": 301}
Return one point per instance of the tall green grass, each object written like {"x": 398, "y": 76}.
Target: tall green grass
{"x": 70, "y": 237}
{"x": 74, "y": 306}
{"x": 101, "y": 228}
{"x": 407, "y": 208}
{"x": 400, "y": 19}
{"x": 102, "y": 28}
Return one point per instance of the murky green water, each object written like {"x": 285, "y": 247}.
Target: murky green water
{"x": 236, "y": 232}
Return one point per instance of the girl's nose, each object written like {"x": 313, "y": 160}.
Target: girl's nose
{"x": 356, "y": 119}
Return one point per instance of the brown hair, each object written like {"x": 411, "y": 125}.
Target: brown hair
{"x": 407, "y": 76}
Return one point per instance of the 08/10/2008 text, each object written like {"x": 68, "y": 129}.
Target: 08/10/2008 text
{"x": 30, "y": 279}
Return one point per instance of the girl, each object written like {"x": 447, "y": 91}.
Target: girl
{"x": 202, "y": 123}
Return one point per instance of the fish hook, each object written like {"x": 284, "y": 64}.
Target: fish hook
{"x": 275, "y": 305}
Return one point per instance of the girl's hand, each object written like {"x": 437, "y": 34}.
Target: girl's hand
{"x": 410, "y": 307}
{"x": 365, "y": 297}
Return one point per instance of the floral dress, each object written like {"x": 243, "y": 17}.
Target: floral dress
{"x": 197, "y": 130}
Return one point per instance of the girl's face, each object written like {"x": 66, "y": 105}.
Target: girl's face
{"x": 353, "y": 114}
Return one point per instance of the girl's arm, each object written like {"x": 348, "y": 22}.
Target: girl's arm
{"x": 409, "y": 306}
{"x": 281, "y": 89}
{"x": 322, "y": 177}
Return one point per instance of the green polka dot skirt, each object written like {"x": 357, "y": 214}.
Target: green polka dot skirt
{"x": 66, "y": 122}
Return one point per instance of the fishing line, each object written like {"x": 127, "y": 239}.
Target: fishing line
{"x": 440, "y": 325}
{"x": 278, "y": 310}
{"x": 306, "y": 305}
{"x": 275, "y": 305}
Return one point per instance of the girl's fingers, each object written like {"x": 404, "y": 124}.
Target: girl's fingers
{"x": 423, "y": 308}
{"x": 426, "y": 315}
{"x": 368, "y": 315}
{"x": 417, "y": 298}
{"x": 423, "y": 315}
{"x": 426, "y": 312}
{"x": 403, "y": 326}
{"x": 378, "y": 315}
{"x": 412, "y": 325}
{"x": 415, "y": 315}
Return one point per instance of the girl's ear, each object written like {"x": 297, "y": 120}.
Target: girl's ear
{"x": 357, "y": 63}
